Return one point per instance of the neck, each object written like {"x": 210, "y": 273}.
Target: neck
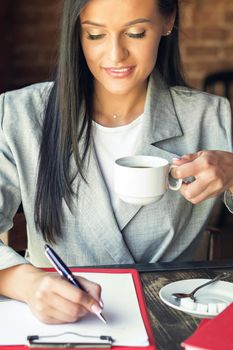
{"x": 115, "y": 109}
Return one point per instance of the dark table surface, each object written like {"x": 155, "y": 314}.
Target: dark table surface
{"x": 170, "y": 326}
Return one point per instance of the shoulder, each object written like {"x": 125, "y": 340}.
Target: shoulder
{"x": 37, "y": 93}
{"x": 184, "y": 95}
{"x": 193, "y": 95}
{"x": 24, "y": 104}
{"x": 200, "y": 102}
{"x": 198, "y": 110}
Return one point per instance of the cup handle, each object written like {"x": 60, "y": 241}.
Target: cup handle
{"x": 174, "y": 184}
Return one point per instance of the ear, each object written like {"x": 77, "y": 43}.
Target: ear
{"x": 169, "y": 24}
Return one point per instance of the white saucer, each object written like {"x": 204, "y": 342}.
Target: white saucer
{"x": 210, "y": 300}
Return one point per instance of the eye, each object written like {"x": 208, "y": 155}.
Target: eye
{"x": 95, "y": 36}
{"x": 136, "y": 35}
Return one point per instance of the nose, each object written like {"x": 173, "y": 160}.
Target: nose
{"x": 117, "y": 51}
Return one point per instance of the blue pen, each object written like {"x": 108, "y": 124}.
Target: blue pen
{"x": 64, "y": 271}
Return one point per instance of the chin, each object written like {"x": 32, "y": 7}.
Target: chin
{"x": 119, "y": 88}
{"x": 118, "y": 91}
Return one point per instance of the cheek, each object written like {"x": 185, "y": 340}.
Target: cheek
{"x": 150, "y": 53}
{"x": 92, "y": 56}
{"x": 88, "y": 51}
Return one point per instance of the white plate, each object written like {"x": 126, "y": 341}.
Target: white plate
{"x": 210, "y": 300}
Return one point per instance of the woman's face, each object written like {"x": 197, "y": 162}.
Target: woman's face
{"x": 120, "y": 40}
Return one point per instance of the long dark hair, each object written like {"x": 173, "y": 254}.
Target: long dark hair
{"x": 168, "y": 60}
{"x": 68, "y": 116}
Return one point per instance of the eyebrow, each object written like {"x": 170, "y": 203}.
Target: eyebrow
{"x": 128, "y": 24}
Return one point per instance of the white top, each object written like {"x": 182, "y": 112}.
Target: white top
{"x": 113, "y": 143}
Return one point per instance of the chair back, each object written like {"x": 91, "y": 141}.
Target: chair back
{"x": 220, "y": 83}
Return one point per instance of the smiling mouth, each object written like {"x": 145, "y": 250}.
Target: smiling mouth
{"x": 119, "y": 72}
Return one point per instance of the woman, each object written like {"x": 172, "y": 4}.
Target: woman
{"x": 118, "y": 92}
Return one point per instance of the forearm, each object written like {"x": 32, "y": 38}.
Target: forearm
{"x": 52, "y": 299}
{"x": 15, "y": 282}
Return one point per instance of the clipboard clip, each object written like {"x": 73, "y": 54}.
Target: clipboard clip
{"x": 45, "y": 341}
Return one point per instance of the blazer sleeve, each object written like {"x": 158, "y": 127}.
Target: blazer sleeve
{"x": 10, "y": 197}
{"x": 228, "y": 200}
{"x": 227, "y": 117}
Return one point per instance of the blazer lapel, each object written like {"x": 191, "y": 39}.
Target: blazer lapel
{"x": 95, "y": 202}
{"x": 160, "y": 123}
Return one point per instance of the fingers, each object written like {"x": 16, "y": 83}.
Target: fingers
{"x": 59, "y": 311}
{"x": 204, "y": 167}
{"x": 91, "y": 288}
{"x": 74, "y": 294}
{"x": 196, "y": 193}
{"x": 58, "y": 301}
{"x": 208, "y": 184}
{"x": 187, "y": 157}
{"x": 186, "y": 166}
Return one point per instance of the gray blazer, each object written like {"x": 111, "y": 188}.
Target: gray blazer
{"x": 177, "y": 121}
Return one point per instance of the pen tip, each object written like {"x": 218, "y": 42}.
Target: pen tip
{"x": 101, "y": 317}
{"x": 97, "y": 310}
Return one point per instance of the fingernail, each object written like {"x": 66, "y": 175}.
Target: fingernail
{"x": 101, "y": 302}
{"x": 176, "y": 158}
{"x": 96, "y": 309}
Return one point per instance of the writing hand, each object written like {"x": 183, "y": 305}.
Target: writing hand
{"x": 52, "y": 299}
{"x": 213, "y": 171}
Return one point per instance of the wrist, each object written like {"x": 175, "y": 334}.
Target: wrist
{"x": 31, "y": 276}
{"x": 21, "y": 276}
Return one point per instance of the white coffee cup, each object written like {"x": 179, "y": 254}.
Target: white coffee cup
{"x": 142, "y": 179}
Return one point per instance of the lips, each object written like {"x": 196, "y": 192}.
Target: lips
{"x": 119, "y": 72}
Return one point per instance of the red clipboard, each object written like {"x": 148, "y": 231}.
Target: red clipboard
{"x": 141, "y": 302}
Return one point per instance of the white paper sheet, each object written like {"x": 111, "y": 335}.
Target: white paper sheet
{"x": 121, "y": 310}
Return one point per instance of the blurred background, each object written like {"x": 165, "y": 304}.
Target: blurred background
{"x": 30, "y": 32}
